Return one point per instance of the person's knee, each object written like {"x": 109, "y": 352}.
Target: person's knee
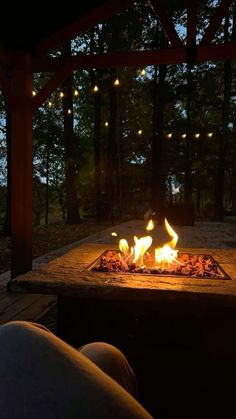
{"x": 19, "y": 330}
{"x": 104, "y": 352}
{"x": 13, "y": 327}
{"x": 113, "y": 362}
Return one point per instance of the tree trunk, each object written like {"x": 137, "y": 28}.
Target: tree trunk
{"x": 233, "y": 176}
{"x": 223, "y": 138}
{"x": 73, "y": 213}
{"x": 47, "y": 186}
{"x": 97, "y": 156}
{"x": 188, "y": 144}
{"x": 113, "y": 158}
{"x": 113, "y": 183}
{"x": 158, "y": 178}
{"x": 7, "y": 224}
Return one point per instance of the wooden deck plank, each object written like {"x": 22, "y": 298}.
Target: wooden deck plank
{"x": 17, "y": 306}
{"x": 29, "y": 307}
{"x": 37, "y": 309}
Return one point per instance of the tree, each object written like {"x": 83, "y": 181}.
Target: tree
{"x": 73, "y": 213}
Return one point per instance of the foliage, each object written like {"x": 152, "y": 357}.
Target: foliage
{"x": 137, "y": 29}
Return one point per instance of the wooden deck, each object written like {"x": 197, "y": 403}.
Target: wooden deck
{"x": 14, "y": 306}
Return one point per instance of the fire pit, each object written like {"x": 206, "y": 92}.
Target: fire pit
{"x": 144, "y": 259}
{"x": 188, "y": 265}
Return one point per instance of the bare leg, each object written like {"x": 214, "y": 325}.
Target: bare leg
{"x": 43, "y": 377}
{"x": 113, "y": 362}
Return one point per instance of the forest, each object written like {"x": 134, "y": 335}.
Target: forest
{"x": 112, "y": 144}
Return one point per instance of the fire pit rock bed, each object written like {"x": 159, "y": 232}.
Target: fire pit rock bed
{"x": 189, "y": 265}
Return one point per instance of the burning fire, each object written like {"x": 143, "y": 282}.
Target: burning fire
{"x": 138, "y": 255}
{"x": 142, "y": 259}
{"x": 167, "y": 254}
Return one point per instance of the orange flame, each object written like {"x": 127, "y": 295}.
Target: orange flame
{"x": 167, "y": 254}
{"x": 163, "y": 256}
{"x": 150, "y": 225}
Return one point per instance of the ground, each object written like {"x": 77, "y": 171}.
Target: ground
{"x": 49, "y": 237}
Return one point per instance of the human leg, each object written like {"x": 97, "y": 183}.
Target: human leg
{"x": 113, "y": 362}
{"x": 42, "y": 377}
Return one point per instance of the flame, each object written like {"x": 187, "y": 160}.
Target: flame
{"x": 167, "y": 254}
{"x": 140, "y": 247}
{"x": 124, "y": 247}
{"x": 137, "y": 251}
{"x": 138, "y": 255}
{"x": 150, "y": 225}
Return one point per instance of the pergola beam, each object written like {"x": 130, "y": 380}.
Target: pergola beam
{"x": 82, "y": 25}
{"x": 6, "y": 56}
{"x": 50, "y": 86}
{"x": 136, "y": 58}
{"x": 166, "y": 24}
{"x": 215, "y": 21}
{"x": 114, "y": 59}
{"x": 21, "y": 168}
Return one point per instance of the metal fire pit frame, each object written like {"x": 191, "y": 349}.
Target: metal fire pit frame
{"x": 224, "y": 275}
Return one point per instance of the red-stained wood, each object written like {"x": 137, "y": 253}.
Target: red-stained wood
{"x": 114, "y": 59}
{"x": 136, "y": 58}
{"x": 83, "y": 24}
{"x": 215, "y": 21}
{"x": 6, "y": 55}
{"x": 21, "y": 167}
{"x": 166, "y": 24}
{"x": 51, "y": 85}
{"x": 216, "y": 52}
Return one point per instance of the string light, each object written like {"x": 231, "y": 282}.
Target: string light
{"x": 61, "y": 94}
{"x": 210, "y": 134}
{"x": 140, "y": 132}
{"x": 184, "y": 135}
{"x": 95, "y": 89}
{"x": 33, "y": 93}
{"x": 69, "y": 111}
{"x": 143, "y": 72}
{"x": 49, "y": 104}
{"x": 197, "y": 135}
{"x": 106, "y": 124}
{"x": 116, "y": 82}
{"x": 169, "y": 135}
{"x": 76, "y": 93}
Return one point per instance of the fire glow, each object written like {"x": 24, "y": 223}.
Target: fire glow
{"x": 143, "y": 258}
{"x": 163, "y": 256}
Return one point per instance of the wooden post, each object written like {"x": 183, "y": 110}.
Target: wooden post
{"x": 21, "y": 167}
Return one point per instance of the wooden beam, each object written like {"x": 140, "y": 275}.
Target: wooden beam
{"x": 4, "y": 87}
{"x": 115, "y": 59}
{"x": 82, "y": 24}
{"x": 50, "y": 86}
{"x": 21, "y": 167}
{"x": 216, "y": 52}
{"x": 166, "y": 24}
{"x": 191, "y": 22}
{"x": 6, "y": 56}
{"x": 215, "y": 21}
{"x": 136, "y": 58}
